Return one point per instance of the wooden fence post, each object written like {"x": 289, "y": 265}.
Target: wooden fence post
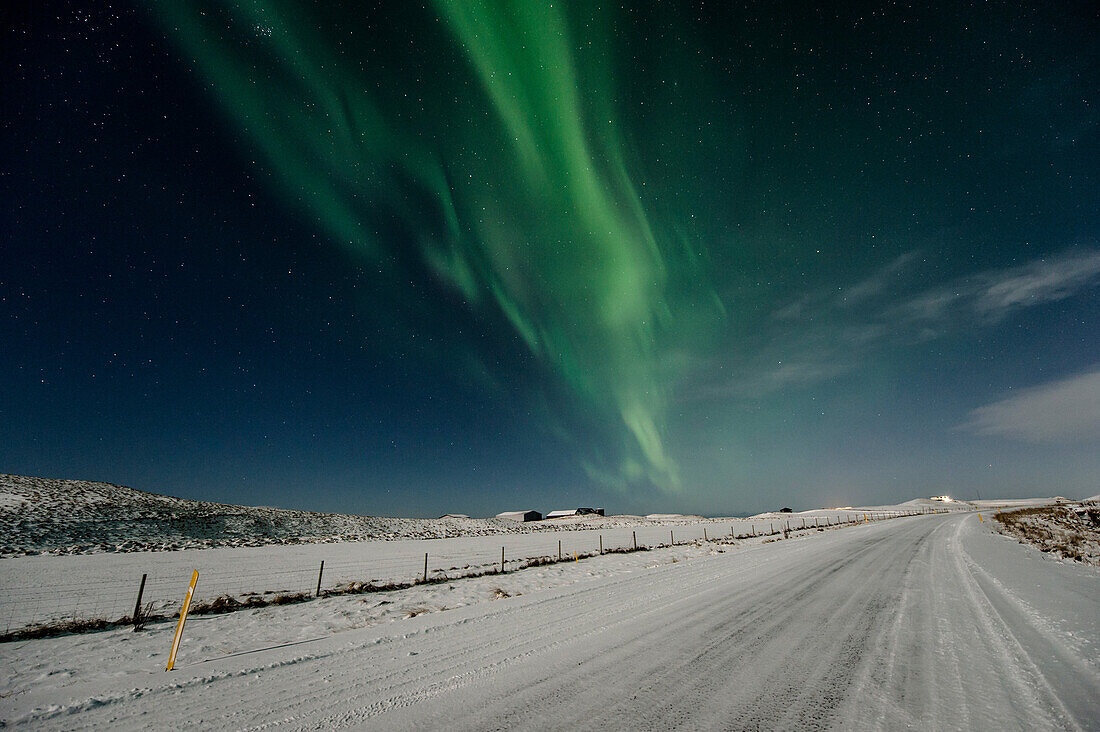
{"x": 137, "y": 605}
{"x": 635, "y": 535}
{"x": 601, "y": 543}
{"x": 502, "y": 560}
{"x": 559, "y": 550}
{"x": 425, "y": 566}
{"x": 320, "y": 572}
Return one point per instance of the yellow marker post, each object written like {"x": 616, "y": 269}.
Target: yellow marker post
{"x": 575, "y": 557}
{"x": 183, "y": 618}
{"x": 980, "y": 519}
{"x": 865, "y": 519}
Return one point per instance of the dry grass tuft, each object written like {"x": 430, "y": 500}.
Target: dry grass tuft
{"x": 1071, "y": 532}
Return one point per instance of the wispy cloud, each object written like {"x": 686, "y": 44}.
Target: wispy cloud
{"x": 990, "y": 296}
{"x": 1038, "y": 282}
{"x": 1064, "y": 411}
{"x": 880, "y": 281}
{"x": 828, "y": 332}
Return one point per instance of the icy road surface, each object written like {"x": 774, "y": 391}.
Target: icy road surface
{"x": 928, "y": 622}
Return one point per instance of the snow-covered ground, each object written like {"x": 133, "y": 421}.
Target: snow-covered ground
{"x": 52, "y": 516}
{"x": 1071, "y": 531}
{"x": 77, "y": 551}
{"x": 928, "y": 622}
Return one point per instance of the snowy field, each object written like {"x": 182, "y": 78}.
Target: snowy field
{"x": 77, "y": 551}
{"x": 933, "y": 622}
{"x": 43, "y": 589}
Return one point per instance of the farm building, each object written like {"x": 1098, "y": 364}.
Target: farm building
{"x": 520, "y": 515}
{"x": 575, "y": 512}
{"x": 454, "y": 515}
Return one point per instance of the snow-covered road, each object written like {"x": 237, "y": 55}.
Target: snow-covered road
{"x": 929, "y": 622}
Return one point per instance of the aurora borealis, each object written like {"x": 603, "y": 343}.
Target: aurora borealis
{"x": 514, "y": 191}
{"x": 388, "y": 258}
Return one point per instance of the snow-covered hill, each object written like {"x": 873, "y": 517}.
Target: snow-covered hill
{"x": 46, "y": 515}
{"x": 53, "y": 516}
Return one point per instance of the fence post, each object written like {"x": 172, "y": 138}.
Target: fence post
{"x": 425, "y": 566}
{"x": 137, "y": 605}
{"x": 320, "y": 572}
{"x": 753, "y": 527}
{"x": 502, "y": 560}
{"x": 601, "y": 543}
{"x": 705, "y": 534}
{"x": 559, "y": 550}
{"x": 635, "y": 535}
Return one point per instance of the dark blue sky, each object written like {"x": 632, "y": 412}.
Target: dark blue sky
{"x": 408, "y": 260}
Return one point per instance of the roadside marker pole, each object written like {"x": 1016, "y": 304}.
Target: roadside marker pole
{"x": 425, "y": 566}
{"x": 601, "y": 543}
{"x": 635, "y": 535}
{"x": 183, "y": 618}
{"x": 980, "y": 519}
{"x": 559, "y": 550}
{"x": 671, "y": 538}
{"x": 705, "y": 534}
{"x": 502, "y": 560}
{"x": 320, "y": 573}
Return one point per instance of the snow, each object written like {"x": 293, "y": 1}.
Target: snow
{"x": 12, "y": 501}
{"x": 43, "y": 515}
{"x": 1071, "y": 531}
{"x": 77, "y": 550}
{"x": 929, "y": 622}
{"x": 83, "y": 517}
{"x": 926, "y": 621}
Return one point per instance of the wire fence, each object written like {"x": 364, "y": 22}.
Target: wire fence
{"x": 45, "y": 595}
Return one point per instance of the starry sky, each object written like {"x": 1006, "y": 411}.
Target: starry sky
{"x": 408, "y": 258}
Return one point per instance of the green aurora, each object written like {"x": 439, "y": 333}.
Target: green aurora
{"x": 498, "y": 143}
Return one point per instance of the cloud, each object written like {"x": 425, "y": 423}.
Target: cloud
{"x": 879, "y": 281}
{"x": 990, "y": 296}
{"x": 829, "y": 332}
{"x": 1064, "y": 411}
{"x": 1043, "y": 281}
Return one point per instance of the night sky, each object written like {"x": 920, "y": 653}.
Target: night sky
{"x": 406, "y": 259}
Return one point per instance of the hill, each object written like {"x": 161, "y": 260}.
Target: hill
{"x": 47, "y": 515}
